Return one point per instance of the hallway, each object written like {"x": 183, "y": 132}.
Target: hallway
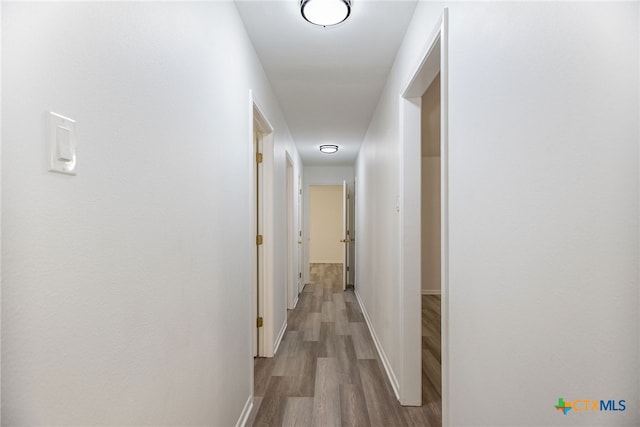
{"x": 327, "y": 371}
{"x": 139, "y": 210}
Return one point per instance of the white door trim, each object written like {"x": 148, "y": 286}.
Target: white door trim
{"x": 305, "y": 217}
{"x": 265, "y": 224}
{"x": 299, "y": 237}
{"x": 292, "y": 234}
{"x": 434, "y": 59}
{"x": 345, "y": 235}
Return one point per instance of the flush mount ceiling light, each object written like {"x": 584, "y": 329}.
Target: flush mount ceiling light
{"x": 325, "y": 12}
{"x": 328, "y": 149}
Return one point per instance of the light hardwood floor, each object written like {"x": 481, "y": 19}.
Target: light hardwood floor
{"x": 327, "y": 371}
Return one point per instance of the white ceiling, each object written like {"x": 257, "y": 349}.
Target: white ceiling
{"x": 328, "y": 80}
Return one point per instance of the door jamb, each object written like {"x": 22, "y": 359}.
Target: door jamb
{"x": 292, "y": 234}
{"x": 299, "y": 237}
{"x": 305, "y": 218}
{"x": 265, "y": 223}
{"x": 434, "y": 59}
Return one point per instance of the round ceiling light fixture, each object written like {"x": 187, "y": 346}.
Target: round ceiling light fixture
{"x": 328, "y": 149}
{"x": 325, "y": 12}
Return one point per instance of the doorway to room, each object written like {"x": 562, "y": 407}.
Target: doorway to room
{"x": 431, "y": 273}
{"x": 424, "y": 256}
{"x": 262, "y": 310}
{"x": 326, "y": 234}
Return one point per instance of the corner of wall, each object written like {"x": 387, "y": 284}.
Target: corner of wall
{"x": 246, "y": 412}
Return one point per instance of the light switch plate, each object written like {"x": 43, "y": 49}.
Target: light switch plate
{"x": 62, "y": 144}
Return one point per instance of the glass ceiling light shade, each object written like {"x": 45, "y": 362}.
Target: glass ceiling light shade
{"x": 325, "y": 12}
{"x": 328, "y": 149}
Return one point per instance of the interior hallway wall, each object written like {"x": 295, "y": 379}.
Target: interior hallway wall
{"x": 126, "y": 289}
{"x": 543, "y": 185}
{"x": 323, "y": 175}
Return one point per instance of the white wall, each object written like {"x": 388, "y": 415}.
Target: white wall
{"x": 544, "y": 135}
{"x": 1, "y": 6}
{"x": 126, "y": 289}
{"x": 322, "y": 175}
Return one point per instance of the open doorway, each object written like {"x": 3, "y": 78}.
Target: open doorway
{"x": 431, "y": 244}
{"x": 326, "y": 234}
{"x": 432, "y": 65}
{"x": 262, "y": 313}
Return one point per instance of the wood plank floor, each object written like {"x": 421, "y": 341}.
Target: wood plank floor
{"x": 327, "y": 371}
{"x": 431, "y": 358}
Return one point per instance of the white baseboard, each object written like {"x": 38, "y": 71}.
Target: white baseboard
{"x": 246, "y": 411}
{"x": 381, "y": 353}
{"x": 431, "y": 292}
{"x": 295, "y": 303}
{"x": 279, "y": 338}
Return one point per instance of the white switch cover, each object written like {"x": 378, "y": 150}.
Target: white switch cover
{"x": 62, "y": 144}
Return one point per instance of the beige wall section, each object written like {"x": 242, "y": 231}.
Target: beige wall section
{"x": 431, "y": 120}
{"x": 325, "y": 223}
{"x": 431, "y": 225}
{"x": 431, "y": 188}
{"x": 327, "y": 175}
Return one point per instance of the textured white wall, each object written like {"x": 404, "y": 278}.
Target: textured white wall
{"x": 126, "y": 291}
{"x": 544, "y": 135}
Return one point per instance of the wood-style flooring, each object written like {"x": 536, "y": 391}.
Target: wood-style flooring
{"x": 327, "y": 372}
{"x": 431, "y": 358}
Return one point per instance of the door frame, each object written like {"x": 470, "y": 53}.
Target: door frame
{"x": 292, "y": 234}
{"x": 341, "y": 238}
{"x": 305, "y": 217}
{"x": 434, "y": 59}
{"x": 300, "y": 238}
{"x": 346, "y": 236}
{"x": 263, "y": 216}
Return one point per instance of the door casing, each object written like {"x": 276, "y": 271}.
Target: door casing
{"x": 433, "y": 60}
{"x": 263, "y": 344}
{"x": 292, "y": 241}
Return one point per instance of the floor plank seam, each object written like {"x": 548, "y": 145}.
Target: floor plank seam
{"x": 329, "y": 369}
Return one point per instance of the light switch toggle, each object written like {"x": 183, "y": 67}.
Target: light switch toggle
{"x": 62, "y": 144}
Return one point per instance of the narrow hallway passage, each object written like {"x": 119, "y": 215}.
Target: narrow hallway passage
{"x": 327, "y": 371}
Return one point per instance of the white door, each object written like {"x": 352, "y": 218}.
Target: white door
{"x": 258, "y": 253}
{"x": 300, "y": 246}
{"x": 292, "y": 283}
{"x": 345, "y": 234}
